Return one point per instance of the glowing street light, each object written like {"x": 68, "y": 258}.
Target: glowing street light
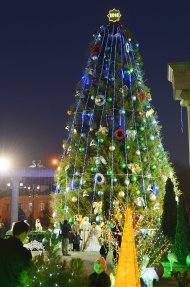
{"x": 5, "y": 164}
{"x": 55, "y": 162}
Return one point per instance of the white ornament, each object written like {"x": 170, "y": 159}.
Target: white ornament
{"x": 100, "y": 100}
{"x": 131, "y": 134}
{"x": 127, "y": 181}
{"x": 139, "y": 201}
{"x": 85, "y": 193}
{"x": 152, "y": 197}
{"x": 93, "y": 143}
{"x": 116, "y": 204}
{"x": 112, "y": 148}
{"x": 97, "y": 207}
{"x": 138, "y": 152}
{"x": 99, "y": 178}
{"x": 127, "y": 47}
{"x": 99, "y": 218}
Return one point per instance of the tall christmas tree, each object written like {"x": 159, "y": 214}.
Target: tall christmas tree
{"x": 113, "y": 155}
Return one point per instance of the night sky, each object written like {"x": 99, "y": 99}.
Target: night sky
{"x": 44, "y": 46}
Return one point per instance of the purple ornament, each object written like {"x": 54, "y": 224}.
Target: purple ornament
{"x": 110, "y": 117}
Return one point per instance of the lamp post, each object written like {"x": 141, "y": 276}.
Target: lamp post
{"x": 179, "y": 76}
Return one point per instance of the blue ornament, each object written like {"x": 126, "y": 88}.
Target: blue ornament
{"x": 74, "y": 185}
{"x": 154, "y": 188}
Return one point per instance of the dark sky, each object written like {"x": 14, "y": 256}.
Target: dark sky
{"x": 44, "y": 47}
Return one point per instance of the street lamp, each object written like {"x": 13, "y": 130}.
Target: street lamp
{"x": 5, "y": 164}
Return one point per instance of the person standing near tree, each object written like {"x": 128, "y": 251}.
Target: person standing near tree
{"x": 76, "y": 235}
{"x": 99, "y": 278}
{"x": 65, "y": 234}
{"x": 14, "y": 258}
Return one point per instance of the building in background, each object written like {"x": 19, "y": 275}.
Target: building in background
{"x": 25, "y": 194}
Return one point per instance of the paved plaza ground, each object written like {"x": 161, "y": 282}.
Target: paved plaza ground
{"x": 89, "y": 257}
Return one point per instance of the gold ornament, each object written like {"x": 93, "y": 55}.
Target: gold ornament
{"x": 149, "y": 113}
{"x": 134, "y": 167}
{"x": 69, "y": 112}
{"x": 121, "y": 194}
{"x": 74, "y": 199}
{"x": 103, "y": 130}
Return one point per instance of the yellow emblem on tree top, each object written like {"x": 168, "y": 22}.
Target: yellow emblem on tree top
{"x": 114, "y": 15}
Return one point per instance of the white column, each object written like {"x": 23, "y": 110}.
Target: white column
{"x": 14, "y": 199}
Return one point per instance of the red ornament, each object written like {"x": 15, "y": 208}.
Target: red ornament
{"x": 139, "y": 113}
{"x": 119, "y": 134}
{"x": 141, "y": 96}
{"x": 96, "y": 49}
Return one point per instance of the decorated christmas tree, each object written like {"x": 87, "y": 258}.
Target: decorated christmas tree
{"x": 113, "y": 155}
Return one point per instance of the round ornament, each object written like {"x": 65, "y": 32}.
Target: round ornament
{"x": 100, "y": 100}
{"x": 141, "y": 128}
{"x": 112, "y": 148}
{"x": 123, "y": 165}
{"x": 110, "y": 118}
{"x": 119, "y": 134}
{"x": 81, "y": 149}
{"x": 127, "y": 181}
{"x": 94, "y": 58}
{"x": 153, "y": 167}
{"x": 109, "y": 172}
{"x": 141, "y": 139}
{"x": 99, "y": 218}
{"x": 122, "y": 112}
{"x": 96, "y": 49}
{"x": 100, "y": 193}
{"x": 139, "y": 113}
{"x": 74, "y": 199}
{"x": 99, "y": 178}
{"x": 100, "y": 140}
{"x": 71, "y": 220}
{"x": 127, "y": 146}
{"x": 109, "y": 99}
{"x": 133, "y": 178}
{"x": 152, "y": 197}
{"x": 141, "y": 96}
{"x": 93, "y": 169}
{"x": 137, "y": 192}
{"x": 134, "y": 98}
{"x": 138, "y": 152}
{"x": 121, "y": 194}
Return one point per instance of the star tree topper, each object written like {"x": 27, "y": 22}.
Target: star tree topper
{"x": 114, "y": 15}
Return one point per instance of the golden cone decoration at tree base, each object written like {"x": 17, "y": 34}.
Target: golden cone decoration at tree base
{"x": 127, "y": 274}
